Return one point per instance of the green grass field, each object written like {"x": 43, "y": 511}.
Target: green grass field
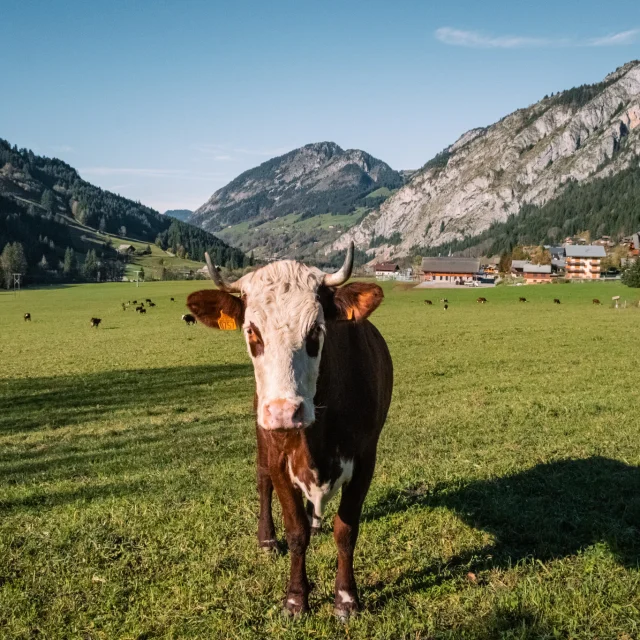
{"x": 506, "y": 500}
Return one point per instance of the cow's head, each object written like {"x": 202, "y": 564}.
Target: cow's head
{"x": 285, "y": 310}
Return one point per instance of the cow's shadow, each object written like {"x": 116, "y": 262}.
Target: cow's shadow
{"x": 552, "y": 510}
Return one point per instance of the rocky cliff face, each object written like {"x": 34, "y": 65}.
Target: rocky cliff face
{"x": 315, "y": 179}
{"x": 527, "y": 157}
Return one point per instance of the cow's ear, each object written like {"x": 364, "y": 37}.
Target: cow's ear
{"x": 356, "y": 301}
{"x": 217, "y": 309}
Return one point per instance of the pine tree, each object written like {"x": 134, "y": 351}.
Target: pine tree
{"x": 69, "y": 267}
{"x": 44, "y": 263}
{"x": 48, "y": 200}
{"x": 631, "y": 275}
{"x": 90, "y": 266}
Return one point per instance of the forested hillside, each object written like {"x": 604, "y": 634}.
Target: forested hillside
{"x": 605, "y": 206}
{"x": 47, "y": 207}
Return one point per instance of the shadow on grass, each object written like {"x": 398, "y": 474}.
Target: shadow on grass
{"x": 32, "y": 403}
{"x": 552, "y": 510}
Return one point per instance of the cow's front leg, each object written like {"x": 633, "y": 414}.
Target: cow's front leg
{"x": 266, "y": 529}
{"x": 346, "y": 526}
{"x": 297, "y": 529}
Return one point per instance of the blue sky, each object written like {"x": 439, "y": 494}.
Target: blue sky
{"x": 164, "y": 102}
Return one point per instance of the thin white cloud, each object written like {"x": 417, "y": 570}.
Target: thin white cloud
{"x": 624, "y": 37}
{"x": 227, "y": 152}
{"x": 63, "y": 148}
{"x": 181, "y": 174}
{"x": 480, "y": 40}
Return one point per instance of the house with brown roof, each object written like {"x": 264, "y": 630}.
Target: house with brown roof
{"x": 386, "y": 270}
{"x": 449, "y": 269}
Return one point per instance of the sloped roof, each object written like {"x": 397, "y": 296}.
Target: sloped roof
{"x": 585, "y": 251}
{"x": 386, "y": 266}
{"x": 518, "y": 264}
{"x": 537, "y": 268}
{"x": 451, "y": 265}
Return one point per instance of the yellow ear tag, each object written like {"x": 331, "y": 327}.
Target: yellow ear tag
{"x": 226, "y": 323}
{"x": 350, "y": 313}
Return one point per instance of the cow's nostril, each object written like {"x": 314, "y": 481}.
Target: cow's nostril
{"x": 298, "y": 414}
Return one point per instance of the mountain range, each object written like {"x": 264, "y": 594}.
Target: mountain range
{"x": 314, "y": 200}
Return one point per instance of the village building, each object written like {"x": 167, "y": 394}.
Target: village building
{"x": 126, "y": 249}
{"x": 583, "y": 262}
{"x": 517, "y": 267}
{"x": 536, "y": 273}
{"x": 450, "y": 269}
{"x": 386, "y": 270}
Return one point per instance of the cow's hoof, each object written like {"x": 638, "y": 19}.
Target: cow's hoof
{"x": 269, "y": 546}
{"x": 344, "y": 615}
{"x": 346, "y": 606}
{"x": 295, "y": 605}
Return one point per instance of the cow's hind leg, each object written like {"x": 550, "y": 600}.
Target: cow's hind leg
{"x": 266, "y": 530}
{"x": 345, "y": 532}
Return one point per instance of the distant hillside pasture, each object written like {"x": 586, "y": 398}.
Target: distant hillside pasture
{"x": 505, "y": 502}
{"x": 293, "y": 235}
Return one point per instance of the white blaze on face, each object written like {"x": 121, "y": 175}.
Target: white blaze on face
{"x": 282, "y": 308}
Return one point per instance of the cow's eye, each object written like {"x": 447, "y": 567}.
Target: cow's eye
{"x": 312, "y": 342}
{"x": 255, "y": 340}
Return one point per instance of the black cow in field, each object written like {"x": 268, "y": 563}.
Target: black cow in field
{"x": 556, "y": 301}
{"x": 596, "y": 301}
{"x": 148, "y": 300}
{"x": 521, "y": 299}
{"x": 135, "y": 302}
{"x": 152, "y": 304}
{"x": 189, "y": 319}
{"x": 481, "y": 300}
{"x": 27, "y": 317}
{"x": 95, "y": 322}
{"x": 141, "y": 309}
{"x": 318, "y": 422}
{"x": 428, "y": 302}
{"x": 172, "y": 299}
{"x": 446, "y": 306}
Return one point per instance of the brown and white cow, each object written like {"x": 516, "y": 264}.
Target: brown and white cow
{"x": 324, "y": 379}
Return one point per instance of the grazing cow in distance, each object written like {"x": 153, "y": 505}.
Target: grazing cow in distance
{"x": 148, "y": 301}
{"x": 481, "y": 300}
{"x": 428, "y": 302}
{"x": 172, "y": 299}
{"x": 324, "y": 379}
{"x": 135, "y": 302}
{"x": 189, "y": 319}
{"x": 521, "y": 299}
{"x": 596, "y": 301}
{"x": 446, "y": 306}
{"x": 95, "y": 322}
{"x": 27, "y": 317}
{"x": 556, "y": 301}
{"x": 443, "y": 300}
{"x": 141, "y": 309}
{"x": 152, "y": 304}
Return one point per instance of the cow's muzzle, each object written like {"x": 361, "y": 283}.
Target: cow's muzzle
{"x": 283, "y": 414}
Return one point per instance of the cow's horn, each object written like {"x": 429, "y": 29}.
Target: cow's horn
{"x": 217, "y": 278}
{"x": 341, "y": 276}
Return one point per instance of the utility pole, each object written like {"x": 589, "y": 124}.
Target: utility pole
{"x": 16, "y": 283}
{"x": 138, "y": 278}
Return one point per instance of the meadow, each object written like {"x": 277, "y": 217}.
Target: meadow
{"x": 505, "y": 504}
